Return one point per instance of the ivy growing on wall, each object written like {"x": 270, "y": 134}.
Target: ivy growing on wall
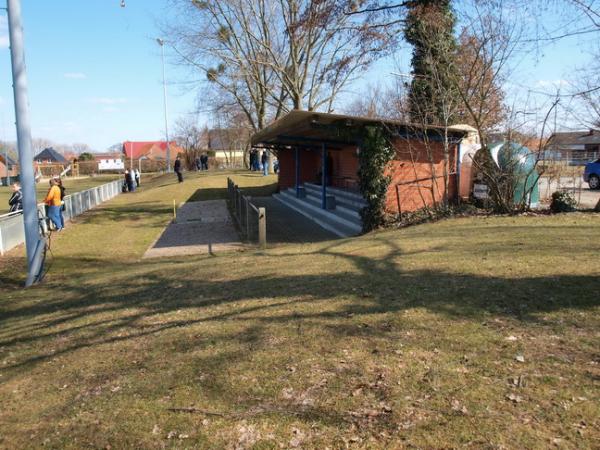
{"x": 375, "y": 153}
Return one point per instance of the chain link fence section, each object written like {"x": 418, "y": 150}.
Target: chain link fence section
{"x": 251, "y": 220}
{"x": 12, "y": 231}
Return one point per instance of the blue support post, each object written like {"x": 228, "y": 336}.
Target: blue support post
{"x": 323, "y": 176}
{"x": 297, "y": 161}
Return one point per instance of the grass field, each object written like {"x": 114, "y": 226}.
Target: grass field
{"x": 472, "y": 332}
{"x": 72, "y": 186}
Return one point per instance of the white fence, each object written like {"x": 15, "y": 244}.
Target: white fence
{"x": 12, "y": 231}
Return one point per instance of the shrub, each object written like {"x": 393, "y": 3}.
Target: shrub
{"x": 562, "y": 202}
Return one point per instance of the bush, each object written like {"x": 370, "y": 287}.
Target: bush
{"x": 562, "y": 202}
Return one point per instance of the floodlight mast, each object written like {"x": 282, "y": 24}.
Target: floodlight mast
{"x": 161, "y": 42}
{"x": 27, "y": 178}
{"x": 23, "y": 125}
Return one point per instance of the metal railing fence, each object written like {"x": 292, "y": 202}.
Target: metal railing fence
{"x": 251, "y": 220}
{"x": 11, "y": 225}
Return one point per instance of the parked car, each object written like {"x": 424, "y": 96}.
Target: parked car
{"x": 591, "y": 174}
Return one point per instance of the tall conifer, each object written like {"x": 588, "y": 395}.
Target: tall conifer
{"x": 429, "y": 29}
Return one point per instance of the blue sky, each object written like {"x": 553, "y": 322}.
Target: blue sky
{"x": 95, "y": 74}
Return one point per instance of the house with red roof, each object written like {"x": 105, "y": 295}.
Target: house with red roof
{"x": 153, "y": 150}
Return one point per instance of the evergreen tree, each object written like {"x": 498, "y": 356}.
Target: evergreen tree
{"x": 429, "y": 29}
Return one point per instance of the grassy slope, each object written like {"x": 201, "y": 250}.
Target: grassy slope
{"x": 392, "y": 339}
{"x": 72, "y": 186}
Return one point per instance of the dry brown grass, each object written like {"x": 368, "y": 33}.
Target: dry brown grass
{"x": 478, "y": 332}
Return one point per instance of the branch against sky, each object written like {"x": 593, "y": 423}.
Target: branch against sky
{"x": 271, "y": 56}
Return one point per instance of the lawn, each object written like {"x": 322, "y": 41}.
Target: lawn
{"x": 72, "y": 186}
{"x": 472, "y": 332}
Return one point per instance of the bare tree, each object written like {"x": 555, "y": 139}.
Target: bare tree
{"x": 272, "y": 56}
{"x": 40, "y": 144}
{"x": 80, "y": 148}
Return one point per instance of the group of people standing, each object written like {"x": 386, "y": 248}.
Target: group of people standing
{"x": 131, "y": 180}
{"x": 202, "y": 162}
{"x": 259, "y": 162}
{"x": 54, "y": 201}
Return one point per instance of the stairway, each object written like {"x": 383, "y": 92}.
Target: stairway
{"x": 343, "y": 221}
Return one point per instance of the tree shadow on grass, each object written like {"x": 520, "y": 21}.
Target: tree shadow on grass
{"x": 373, "y": 286}
{"x": 203, "y": 194}
{"x": 185, "y": 314}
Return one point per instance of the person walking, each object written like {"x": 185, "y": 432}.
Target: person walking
{"x": 204, "y": 160}
{"x": 177, "y": 169}
{"x": 264, "y": 159}
{"x": 52, "y": 202}
{"x": 137, "y": 177}
{"x": 15, "y": 202}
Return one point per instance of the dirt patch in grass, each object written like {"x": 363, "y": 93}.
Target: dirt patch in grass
{"x": 473, "y": 332}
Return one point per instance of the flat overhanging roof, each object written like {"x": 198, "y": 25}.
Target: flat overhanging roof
{"x": 312, "y": 129}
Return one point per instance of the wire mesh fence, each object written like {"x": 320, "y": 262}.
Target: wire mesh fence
{"x": 12, "y": 231}
{"x": 251, "y": 220}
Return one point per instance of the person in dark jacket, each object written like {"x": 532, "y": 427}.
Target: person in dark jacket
{"x": 177, "y": 169}
{"x": 264, "y": 159}
{"x": 15, "y": 202}
{"x": 204, "y": 161}
{"x": 129, "y": 180}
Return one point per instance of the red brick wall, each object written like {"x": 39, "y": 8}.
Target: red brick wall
{"x": 310, "y": 164}
{"x": 412, "y": 162}
{"x": 416, "y": 160}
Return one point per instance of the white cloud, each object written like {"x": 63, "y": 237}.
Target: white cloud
{"x": 75, "y": 75}
{"x": 110, "y": 109}
{"x": 108, "y": 100}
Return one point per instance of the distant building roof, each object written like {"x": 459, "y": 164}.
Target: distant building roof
{"x": 574, "y": 138}
{"x": 98, "y": 156}
{"x": 150, "y": 149}
{"x": 49, "y": 154}
{"x": 11, "y": 162}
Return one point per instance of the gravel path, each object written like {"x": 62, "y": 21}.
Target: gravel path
{"x": 201, "y": 227}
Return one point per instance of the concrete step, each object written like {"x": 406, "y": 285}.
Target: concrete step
{"x": 328, "y": 220}
{"x": 341, "y": 209}
{"x": 342, "y": 215}
{"x": 350, "y": 199}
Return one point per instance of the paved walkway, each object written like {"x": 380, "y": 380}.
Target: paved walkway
{"x": 200, "y": 227}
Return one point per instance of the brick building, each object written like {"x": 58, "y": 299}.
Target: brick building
{"x": 305, "y": 142}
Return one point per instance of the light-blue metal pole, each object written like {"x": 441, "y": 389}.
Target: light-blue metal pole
{"x": 161, "y": 42}
{"x": 27, "y": 178}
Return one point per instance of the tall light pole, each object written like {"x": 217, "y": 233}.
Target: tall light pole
{"x": 161, "y": 42}
{"x": 17, "y": 55}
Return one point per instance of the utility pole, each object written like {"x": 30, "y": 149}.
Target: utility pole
{"x": 17, "y": 54}
{"x": 161, "y": 42}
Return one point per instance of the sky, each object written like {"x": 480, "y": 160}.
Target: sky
{"x": 95, "y": 74}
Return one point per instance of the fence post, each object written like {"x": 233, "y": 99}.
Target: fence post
{"x": 248, "y": 218}
{"x": 262, "y": 228}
